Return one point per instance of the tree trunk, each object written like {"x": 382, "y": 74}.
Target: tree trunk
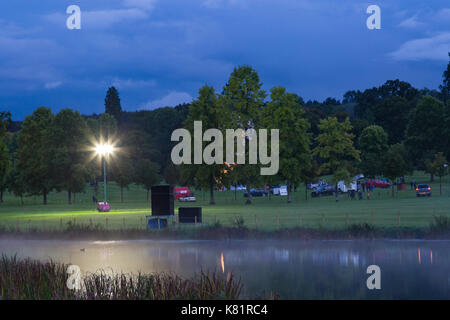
{"x": 45, "y": 197}
{"x": 336, "y": 191}
{"x": 211, "y": 190}
{"x": 121, "y": 194}
{"x": 306, "y": 191}
{"x": 249, "y": 195}
{"x": 1, "y": 196}
{"x": 69, "y": 197}
{"x": 289, "y": 199}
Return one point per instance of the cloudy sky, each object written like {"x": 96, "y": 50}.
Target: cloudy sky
{"x": 159, "y": 52}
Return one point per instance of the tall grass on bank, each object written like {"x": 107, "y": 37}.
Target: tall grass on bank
{"x": 27, "y": 279}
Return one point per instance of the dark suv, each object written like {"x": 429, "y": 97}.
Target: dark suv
{"x": 423, "y": 190}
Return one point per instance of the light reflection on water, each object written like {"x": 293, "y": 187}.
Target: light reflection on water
{"x": 293, "y": 269}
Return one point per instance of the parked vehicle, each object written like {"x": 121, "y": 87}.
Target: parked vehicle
{"x": 313, "y": 186}
{"x": 344, "y": 188}
{"x": 327, "y": 190}
{"x": 382, "y": 183}
{"x": 278, "y": 190}
{"x": 181, "y": 192}
{"x": 378, "y": 183}
{"x": 238, "y": 188}
{"x": 191, "y": 198}
{"x": 103, "y": 207}
{"x": 256, "y": 193}
{"x": 423, "y": 190}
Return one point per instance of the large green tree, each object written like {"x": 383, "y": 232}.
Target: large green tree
{"x": 112, "y": 103}
{"x": 207, "y": 110}
{"x": 396, "y": 163}
{"x": 244, "y": 97}
{"x": 425, "y": 132}
{"x": 437, "y": 167}
{"x": 68, "y": 155}
{"x": 123, "y": 172}
{"x": 373, "y": 144}
{"x": 335, "y": 147}
{"x": 392, "y": 114}
{"x": 284, "y": 113}
{"x": 34, "y": 156}
{"x": 147, "y": 174}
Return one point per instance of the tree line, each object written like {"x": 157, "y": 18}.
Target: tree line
{"x": 387, "y": 131}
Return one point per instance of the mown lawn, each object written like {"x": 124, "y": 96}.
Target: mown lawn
{"x": 264, "y": 213}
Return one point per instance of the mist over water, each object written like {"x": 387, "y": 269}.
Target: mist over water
{"x": 412, "y": 269}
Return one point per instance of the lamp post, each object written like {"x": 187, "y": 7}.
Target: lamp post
{"x": 104, "y": 150}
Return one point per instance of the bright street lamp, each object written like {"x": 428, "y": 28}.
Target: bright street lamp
{"x": 104, "y": 150}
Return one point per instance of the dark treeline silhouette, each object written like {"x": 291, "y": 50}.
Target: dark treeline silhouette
{"x": 388, "y": 131}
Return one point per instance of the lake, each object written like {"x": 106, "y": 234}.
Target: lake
{"x": 410, "y": 269}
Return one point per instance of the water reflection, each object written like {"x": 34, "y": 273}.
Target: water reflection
{"x": 295, "y": 270}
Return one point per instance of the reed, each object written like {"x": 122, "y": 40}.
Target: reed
{"x": 26, "y": 279}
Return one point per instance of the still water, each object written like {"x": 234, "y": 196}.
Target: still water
{"x": 293, "y": 269}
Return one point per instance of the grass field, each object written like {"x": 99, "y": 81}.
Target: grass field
{"x": 267, "y": 214}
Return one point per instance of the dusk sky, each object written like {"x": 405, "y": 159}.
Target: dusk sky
{"x": 160, "y": 52}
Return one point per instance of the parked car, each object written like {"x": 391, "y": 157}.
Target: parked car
{"x": 382, "y": 183}
{"x": 313, "y": 186}
{"x": 256, "y": 193}
{"x": 191, "y": 198}
{"x": 423, "y": 190}
{"x": 327, "y": 190}
{"x": 181, "y": 192}
{"x": 378, "y": 183}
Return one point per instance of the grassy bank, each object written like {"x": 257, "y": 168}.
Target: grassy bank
{"x": 383, "y": 211}
{"x": 34, "y": 280}
{"x": 439, "y": 228}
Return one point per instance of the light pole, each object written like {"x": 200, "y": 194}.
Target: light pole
{"x": 104, "y": 150}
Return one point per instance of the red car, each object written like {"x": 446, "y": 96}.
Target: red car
{"x": 181, "y": 192}
{"x": 378, "y": 183}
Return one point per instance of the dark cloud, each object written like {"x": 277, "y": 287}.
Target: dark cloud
{"x": 161, "y": 51}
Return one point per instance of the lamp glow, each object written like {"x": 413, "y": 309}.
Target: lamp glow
{"x": 104, "y": 149}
